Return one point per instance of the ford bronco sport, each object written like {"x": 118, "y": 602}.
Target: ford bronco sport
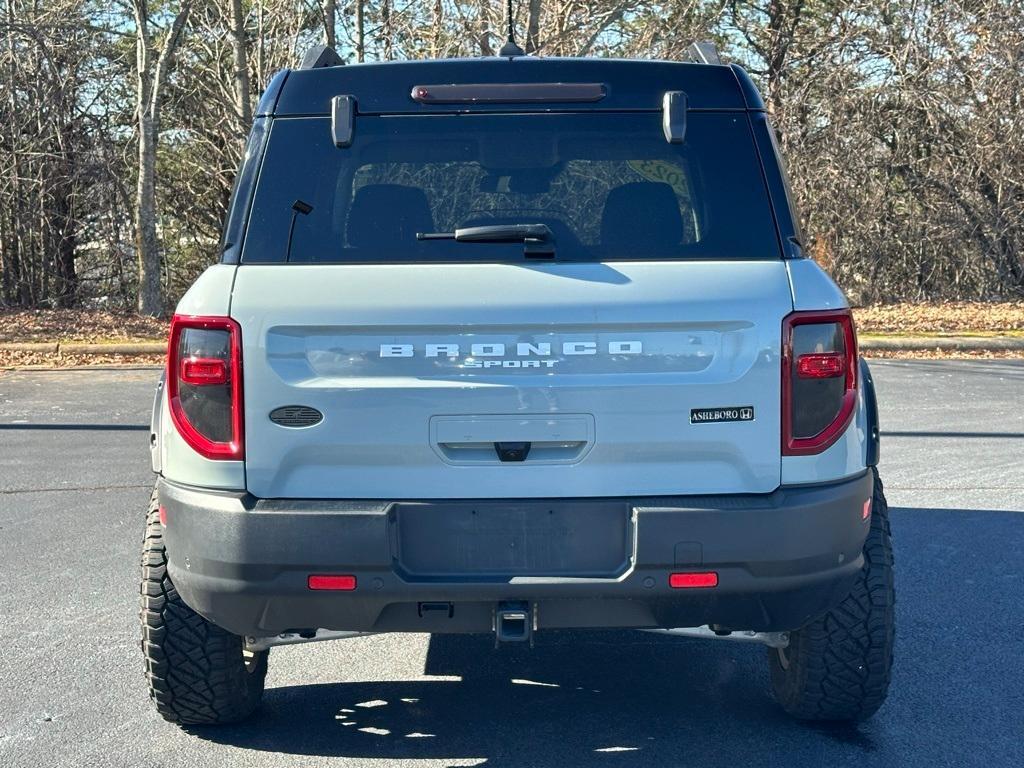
{"x": 510, "y": 345}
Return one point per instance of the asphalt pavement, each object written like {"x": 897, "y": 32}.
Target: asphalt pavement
{"x": 74, "y": 481}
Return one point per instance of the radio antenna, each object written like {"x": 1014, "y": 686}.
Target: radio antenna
{"x": 511, "y": 48}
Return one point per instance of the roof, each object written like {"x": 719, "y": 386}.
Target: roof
{"x": 386, "y": 87}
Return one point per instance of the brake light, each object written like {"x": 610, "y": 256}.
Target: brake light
{"x": 204, "y": 371}
{"x": 204, "y": 384}
{"x": 819, "y": 379}
{"x": 823, "y": 366}
{"x": 508, "y": 93}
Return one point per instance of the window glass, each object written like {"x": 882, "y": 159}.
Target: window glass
{"x": 607, "y": 186}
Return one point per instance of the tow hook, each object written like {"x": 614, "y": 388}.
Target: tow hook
{"x": 512, "y": 623}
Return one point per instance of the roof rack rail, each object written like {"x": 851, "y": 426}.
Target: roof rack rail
{"x": 321, "y": 56}
{"x": 703, "y": 52}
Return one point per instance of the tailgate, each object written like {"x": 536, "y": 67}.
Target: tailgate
{"x": 441, "y": 381}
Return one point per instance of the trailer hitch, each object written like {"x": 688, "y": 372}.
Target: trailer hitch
{"x": 513, "y": 622}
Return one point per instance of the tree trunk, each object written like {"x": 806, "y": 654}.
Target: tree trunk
{"x": 65, "y": 226}
{"x": 146, "y": 244}
{"x": 387, "y": 31}
{"x": 330, "y": 13}
{"x": 360, "y": 30}
{"x": 240, "y": 48}
{"x": 148, "y": 94}
{"x": 438, "y": 32}
{"x": 533, "y": 27}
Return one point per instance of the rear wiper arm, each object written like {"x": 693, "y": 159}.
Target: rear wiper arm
{"x": 536, "y": 238}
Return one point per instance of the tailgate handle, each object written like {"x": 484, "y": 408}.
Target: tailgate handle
{"x": 512, "y": 451}
{"x": 509, "y": 452}
{"x": 497, "y": 439}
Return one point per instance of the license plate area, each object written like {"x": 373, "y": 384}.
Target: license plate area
{"x": 498, "y": 540}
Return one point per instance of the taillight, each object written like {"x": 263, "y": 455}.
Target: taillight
{"x": 204, "y": 384}
{"x": 819, "y": 379}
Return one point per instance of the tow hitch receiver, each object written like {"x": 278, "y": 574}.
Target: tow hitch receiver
{"x": 512, "y": 622}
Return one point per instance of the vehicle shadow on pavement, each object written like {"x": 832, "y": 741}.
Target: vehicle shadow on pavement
{"x": 638, "y": 699}
{"x": 576, "y": 698}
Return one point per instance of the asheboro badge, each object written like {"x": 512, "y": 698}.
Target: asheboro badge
{"x": 711, "y": 415}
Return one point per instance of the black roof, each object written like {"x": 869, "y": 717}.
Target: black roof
{"x": 386, "y": 87}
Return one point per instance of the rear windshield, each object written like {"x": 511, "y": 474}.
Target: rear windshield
{"x": 607, "y": 187}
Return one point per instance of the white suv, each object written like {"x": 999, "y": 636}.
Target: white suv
{"x": 509, "y": 345}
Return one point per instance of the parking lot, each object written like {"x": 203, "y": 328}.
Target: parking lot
{"x": 75, "y": 478}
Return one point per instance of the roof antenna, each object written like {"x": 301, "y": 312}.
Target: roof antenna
{"x": 511, "y": 48}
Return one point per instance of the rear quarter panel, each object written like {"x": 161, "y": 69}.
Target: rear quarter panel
{"x": 209, "y": 295}
{"x": 813, "y": 289}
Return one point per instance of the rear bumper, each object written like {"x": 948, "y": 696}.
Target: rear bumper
{"x": 781, "y": 558}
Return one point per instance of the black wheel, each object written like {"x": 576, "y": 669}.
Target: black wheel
{"x": 198, "y": 673}
{"x": 838, "y": 667}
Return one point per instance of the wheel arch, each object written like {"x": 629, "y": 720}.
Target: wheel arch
{"x": 155, "y": 431}
{"x": 873, "y": 447}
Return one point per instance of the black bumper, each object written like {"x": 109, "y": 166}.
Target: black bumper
{"x": 781, "y": 558}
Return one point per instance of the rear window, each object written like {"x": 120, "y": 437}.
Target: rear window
{"x": 607, "y": 186}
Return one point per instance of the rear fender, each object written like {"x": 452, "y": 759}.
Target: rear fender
{"x": 870, "y": 407}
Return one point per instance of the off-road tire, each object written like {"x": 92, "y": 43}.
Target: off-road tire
{"x": 198, "y": 673}
{"x": 838, "y": 667}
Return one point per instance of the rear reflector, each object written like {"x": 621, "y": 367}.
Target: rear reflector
{"x": 163, "y": 516}
{"x": 693, "y": 580}
{"x": 341, "y": 583}
{"x": 867, "y": 510}
{"x": 826, "y": 365}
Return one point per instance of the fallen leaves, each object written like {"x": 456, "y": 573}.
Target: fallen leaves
{"x": 1005, "y": 317}
{"x": 10, "y": 359}
{"x": 83, "y": 325}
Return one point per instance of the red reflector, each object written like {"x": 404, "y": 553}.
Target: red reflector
{"x": 163, "y": 516}
{"x": 826, "y": 365}
{"x": 200, "y": 371}
{"x": 693, "y": 580}
{"x": 867, "y": 510}
{"x": 343, "y": 583}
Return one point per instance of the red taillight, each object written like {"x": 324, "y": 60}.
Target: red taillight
{"x": 204, "y": 384}
{"x": 693, "y": 580}
{"x": 819, "y": 379}
{"x": 340, "y": 583}
{"x": 203, "y": 371}
{"x": 823, "y": 366}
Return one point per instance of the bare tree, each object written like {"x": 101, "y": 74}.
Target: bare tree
{"x": 902, "y": 123}
{"x": 240, "y": 48}
{"x": 330, "y": 22}
{"x": 150, "y": 82}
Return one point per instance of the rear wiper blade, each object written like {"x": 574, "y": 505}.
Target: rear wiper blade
{"x": 537, "y": 239}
